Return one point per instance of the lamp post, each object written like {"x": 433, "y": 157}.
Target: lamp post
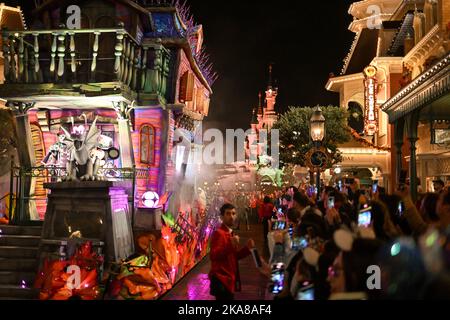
{"x": 317, "y": 132}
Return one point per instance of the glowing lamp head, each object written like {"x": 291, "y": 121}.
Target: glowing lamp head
{"x": 317, "y": 126}
{"x": 150, "y": 200}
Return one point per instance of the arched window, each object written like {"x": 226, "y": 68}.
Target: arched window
{"x": 147, "y": 144}
{"x": 356, "y": 117}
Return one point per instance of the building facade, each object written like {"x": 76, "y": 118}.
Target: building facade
{"x": 406, "y": 43}
{"x": 366, "y": 81}
{"x": 419, "y": 110}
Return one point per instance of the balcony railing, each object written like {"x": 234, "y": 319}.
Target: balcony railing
{"x": 18, "y": 175}
{"x": 84, "y": 56}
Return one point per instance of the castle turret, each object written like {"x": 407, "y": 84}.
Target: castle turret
{"x": 271, "y": 93}
{"x": 270, "y": 116}
{"x": 260, "y": 114}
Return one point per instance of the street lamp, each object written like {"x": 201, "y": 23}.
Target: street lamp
{"x": 317, "y": 126}
{"x": 317, "y": 131}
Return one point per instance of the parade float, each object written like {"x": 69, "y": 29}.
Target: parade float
{"x": 115, "y": 261}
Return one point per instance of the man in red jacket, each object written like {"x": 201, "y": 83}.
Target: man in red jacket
{"x": 224, "y": 255}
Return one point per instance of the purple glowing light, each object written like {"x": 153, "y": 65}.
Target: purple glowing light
{"x": 78, "y": 130}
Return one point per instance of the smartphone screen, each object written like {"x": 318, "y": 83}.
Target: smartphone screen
{"x": 306, "y": 294}
{"x": 274, "y": 225}
{"x": 401, "y": 208}
{"x": 365, "y": 217}
{"x": 299, "y": 243}
{"x": 375, "y": 187}
{"x": 277, "y": 278}
{"x": 278, "y": 225}
{"x": 330, "y": 202}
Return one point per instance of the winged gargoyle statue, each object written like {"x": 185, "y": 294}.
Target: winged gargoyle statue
{"x": 82, "y": 165}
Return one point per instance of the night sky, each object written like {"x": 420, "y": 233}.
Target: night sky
{"x": 305, "y": 41}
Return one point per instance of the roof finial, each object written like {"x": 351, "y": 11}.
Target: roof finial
{"x": 270, "y": 76}
{"x": 259, "y": 96}
{"x": 254, "y": 116}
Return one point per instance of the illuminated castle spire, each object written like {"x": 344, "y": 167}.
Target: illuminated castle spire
{"x": 270, "y": 116}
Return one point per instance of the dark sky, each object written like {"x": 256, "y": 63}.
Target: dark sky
{"x": 304, "y": 40}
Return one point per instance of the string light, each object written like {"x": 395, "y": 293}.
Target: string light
{"x": 352, "y": 49}
{"x": 366, "y": 143}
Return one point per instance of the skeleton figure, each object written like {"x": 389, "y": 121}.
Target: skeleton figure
{"x": 57, "y": 157}
{"x": 81, "y": 165}
{"x": 58, "y": 153}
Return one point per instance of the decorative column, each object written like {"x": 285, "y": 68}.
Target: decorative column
{"x": 429, "y": 16}
{"x": 25, "y": 145}
{"x": 412, "y": 123}
{"x": 26, "y": 209}
{"x": 165, "y": 72}
{"x": 153, "y": 77}
{"x": 123, "y": 111}
{"x": 118, "y": 52}
{"x": 418, "y": 25}
{"x": 165, "y": 156}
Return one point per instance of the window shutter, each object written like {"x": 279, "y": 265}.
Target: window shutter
{"x": 200, "y": 100}
{"x": 187, "y": 87}
{"x": 206, "y": 106}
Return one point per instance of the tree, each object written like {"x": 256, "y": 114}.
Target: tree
{"x": 295, "y": 141}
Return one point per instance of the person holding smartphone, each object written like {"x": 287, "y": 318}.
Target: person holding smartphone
{"x": 339, "y": 214}
{"x": 225, "y": 255}
{"x": 410, "y": 212}
{"x": 283, "y": 226}
{"x": 265, "y": 214}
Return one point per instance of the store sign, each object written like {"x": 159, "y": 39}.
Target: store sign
{"x": 371, "y": 108}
